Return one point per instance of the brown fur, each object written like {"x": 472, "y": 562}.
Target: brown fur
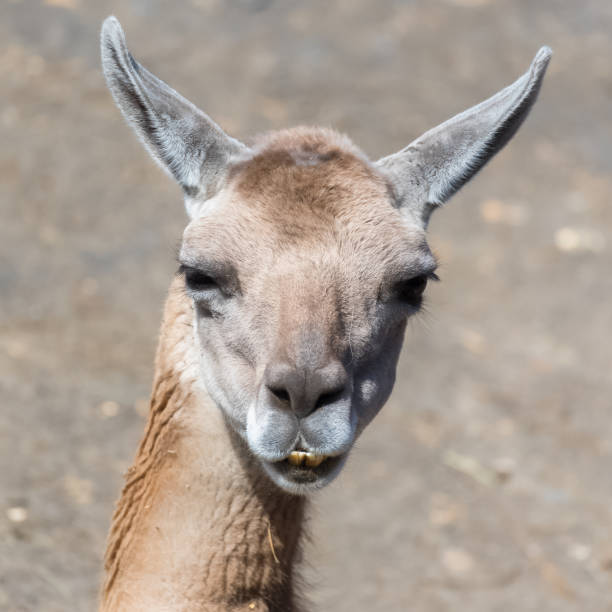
{"x": 197, "y": 527}
{"x": 302, "y": 178}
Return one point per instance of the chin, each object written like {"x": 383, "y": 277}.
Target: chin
{"x": 304, "y": 479}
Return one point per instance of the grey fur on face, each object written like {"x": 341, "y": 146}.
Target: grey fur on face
{"x": 304, "y": 259}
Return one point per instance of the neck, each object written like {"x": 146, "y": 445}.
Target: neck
{"x": 198, "y": 526}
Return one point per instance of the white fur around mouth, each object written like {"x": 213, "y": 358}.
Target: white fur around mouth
{"x": 300, "y": 458}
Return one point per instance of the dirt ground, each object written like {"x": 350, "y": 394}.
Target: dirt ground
{"x": 486, "y": 482}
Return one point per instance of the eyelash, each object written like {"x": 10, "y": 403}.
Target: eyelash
{"x": 197, "y": 281}
{"x": 411, "y": 290}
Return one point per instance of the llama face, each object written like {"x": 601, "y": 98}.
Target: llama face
{"x": 303, "y": 276}
{"x": 303, "y": 259}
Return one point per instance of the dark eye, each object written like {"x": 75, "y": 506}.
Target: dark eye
{"x": 197, "y": 280}
{"x": 411, "y": 290}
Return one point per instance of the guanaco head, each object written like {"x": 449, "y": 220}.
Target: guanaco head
{"x": 304, "y": 259}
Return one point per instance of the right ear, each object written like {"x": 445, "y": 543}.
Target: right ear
{"x": 432, "y": 168}
{"x": 179, "y": 136}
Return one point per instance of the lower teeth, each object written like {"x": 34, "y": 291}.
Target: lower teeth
{"x": 300, "y": 458}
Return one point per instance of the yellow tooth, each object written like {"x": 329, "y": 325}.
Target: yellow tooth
{"x": 299, "y": 458}
{"x": 314, "y": 460}
{"x": 296, "y": 458}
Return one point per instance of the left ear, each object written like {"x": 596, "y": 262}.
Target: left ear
{"x": 179, "y": 136}
{"x": 432, "y": 168}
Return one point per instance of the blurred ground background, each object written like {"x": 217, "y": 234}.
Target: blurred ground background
{"x": 485, "y": 484}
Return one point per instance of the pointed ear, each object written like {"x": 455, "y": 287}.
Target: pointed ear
{"x": 432, "y": 168}
{"x": 179, "y": 136}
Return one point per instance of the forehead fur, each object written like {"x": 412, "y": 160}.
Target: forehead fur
{"x": 307, "y": 139}
{"x": 304, "y": 169}
{"x": 311, "y": 192}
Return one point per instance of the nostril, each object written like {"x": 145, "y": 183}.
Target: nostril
{"x": 280, "y": 394}
{"x": 303, "y": 388}
{"x": 329, "y": 398}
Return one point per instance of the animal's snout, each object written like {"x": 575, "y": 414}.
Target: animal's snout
{"x": 305, "y": 388}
